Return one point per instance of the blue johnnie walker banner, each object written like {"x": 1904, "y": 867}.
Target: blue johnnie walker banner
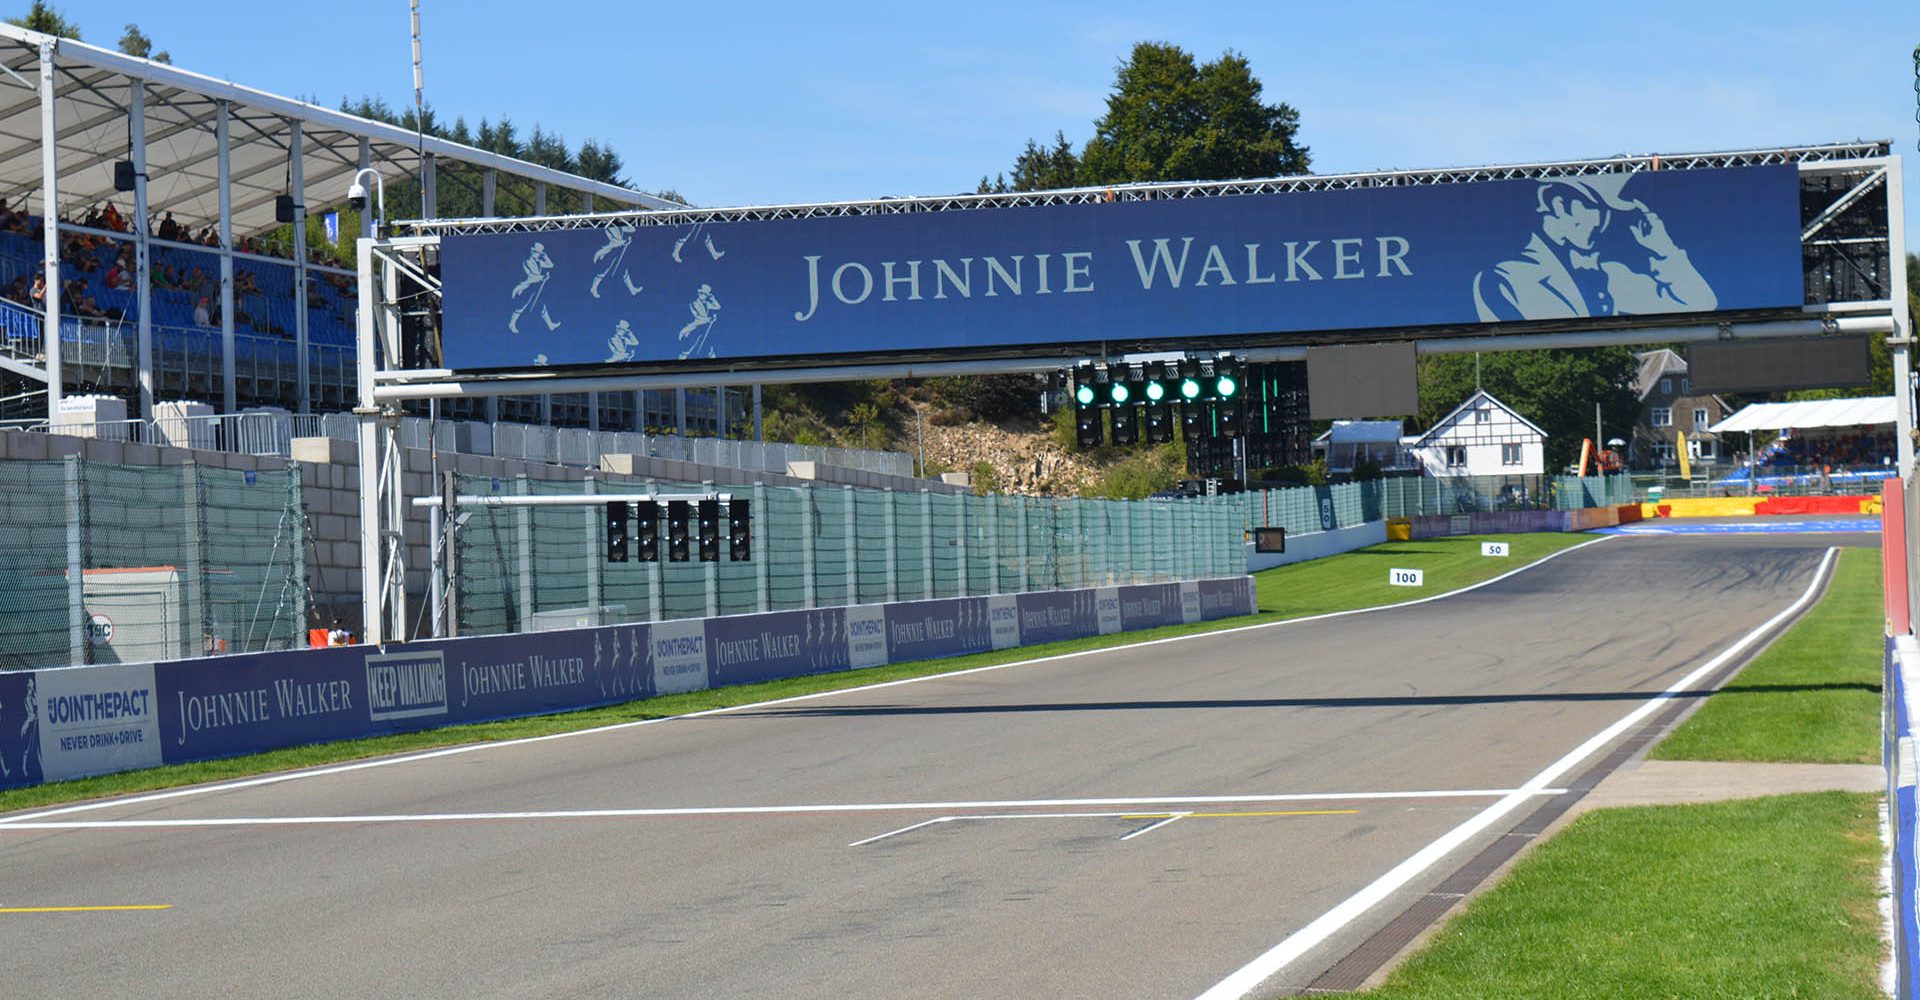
{"x": 1684, "y": 241}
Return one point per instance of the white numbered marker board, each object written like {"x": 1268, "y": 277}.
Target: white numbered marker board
{"x": 1494, "y": 549}
{"x": 1407, "y": 577}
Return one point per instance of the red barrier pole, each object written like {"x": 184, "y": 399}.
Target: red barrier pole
{"x": 1893, "y": 555}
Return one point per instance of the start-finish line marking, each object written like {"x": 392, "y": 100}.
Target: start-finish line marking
{"x": 86, "y": 909}
{"x": 944, "y": 808}
{"x": 1159, "y": 819}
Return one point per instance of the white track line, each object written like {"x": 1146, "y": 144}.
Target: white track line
{"x": 954, "y": 819}
{"x": 904, "y": 829}
{"x": 788, "y": 810}
{"x": 1143, "y": 831}
{"x": 1249, "y": 977}
{"x": 273, "y": 779}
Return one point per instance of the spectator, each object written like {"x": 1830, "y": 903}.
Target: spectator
{"x": 201, "y": 315}
{"x": 76, "y": 300}
{"x": 169, "y": 229}
{"x": 119, "y": 278}
{"x": 39, "y": 292}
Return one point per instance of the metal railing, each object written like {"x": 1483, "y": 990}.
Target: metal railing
{"x": 580, "y": 447}
{"x": 268, "y": 431}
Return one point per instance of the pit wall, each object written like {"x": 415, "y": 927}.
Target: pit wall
{"x": 76, "y": 721}
{"x": 1509, "y": 522}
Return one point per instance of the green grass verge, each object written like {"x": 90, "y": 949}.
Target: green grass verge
{"x": 1359, "y": 579}
{"x": 1813, "y": 696}
{"x": 1772, "y": 897}
{"x": 1338, "y": 583}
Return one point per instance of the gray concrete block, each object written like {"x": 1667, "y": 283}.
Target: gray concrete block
{"x": 323, "y": 450}
{"x": 330, "y": 526}
{"x": 103, "y": 450}
{"x": 26, "y": 445}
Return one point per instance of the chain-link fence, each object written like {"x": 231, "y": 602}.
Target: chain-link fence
{"x": 110, "y": 563}
{"x": 1307, "y": 509}
{"x": 528, "y": 568}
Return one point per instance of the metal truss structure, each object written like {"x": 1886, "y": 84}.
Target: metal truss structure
{"x": 1853, "y": 253}
{"x": 1834, "y": 153}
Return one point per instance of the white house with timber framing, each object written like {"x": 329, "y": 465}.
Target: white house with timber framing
{"x": 1482, "y": 437}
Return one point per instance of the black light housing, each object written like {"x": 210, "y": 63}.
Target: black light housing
{"x": 617, "y": 531}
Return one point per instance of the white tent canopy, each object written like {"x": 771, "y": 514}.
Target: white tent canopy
{"x": 94, "y": 97}
{"x": 1862, "y": 411}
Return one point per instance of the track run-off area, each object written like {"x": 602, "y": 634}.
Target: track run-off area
{"x": 1218, "y": 815}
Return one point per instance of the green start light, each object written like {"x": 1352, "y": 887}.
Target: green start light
{"x": 1226, "y": 387}
{"x": 1084, "y": 393}
{"x": 1118, "y": 392}
{"x": 1156, "y": 392}
{"x": 1189, "y": 389}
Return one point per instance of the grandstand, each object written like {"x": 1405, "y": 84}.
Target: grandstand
{"x": 166, "y": 185}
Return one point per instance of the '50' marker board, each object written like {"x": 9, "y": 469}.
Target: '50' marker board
{"x": 1493, "y": 549}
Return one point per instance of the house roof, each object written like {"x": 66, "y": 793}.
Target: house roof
{"x": 1654, "y": 364}
{"x": 1856, "y": 412}
{"x": 1478, "y": 394}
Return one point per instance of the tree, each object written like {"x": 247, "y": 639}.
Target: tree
{"x": 1555, "y": 389}
{"x": 1169, "y": 120}
{"x": 44, "y": 18}
{"x": 135, "y": 43}
{"x": 1039, "y": 169}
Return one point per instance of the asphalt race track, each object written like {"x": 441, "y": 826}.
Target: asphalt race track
{"x": 1139, "y": 822}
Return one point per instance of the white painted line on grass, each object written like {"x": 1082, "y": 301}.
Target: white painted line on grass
{"x": 786, "y": 810}
{"x": 1249, "y": 977}
{"x": 272, "y": 779}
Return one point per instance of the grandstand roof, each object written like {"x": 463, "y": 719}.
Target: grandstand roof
{"x": 1857, "y": 412}
{"x": 91, "y": 122}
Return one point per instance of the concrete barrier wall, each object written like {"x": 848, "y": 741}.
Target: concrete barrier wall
{"x": 1511, "y": 522}
{"x": 76, "y": 721}
{"x": 1487, "y": 522}
{"x": 1318, "y": 545}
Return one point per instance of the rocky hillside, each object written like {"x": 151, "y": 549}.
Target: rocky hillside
{"x": 1016, "y": 456}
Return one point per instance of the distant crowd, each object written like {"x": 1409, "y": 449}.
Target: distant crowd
{"x": 1838, "y": 452}
{"x": 99, "y": 274}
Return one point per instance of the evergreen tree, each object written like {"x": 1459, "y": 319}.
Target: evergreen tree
{"x": 46, "y": 19}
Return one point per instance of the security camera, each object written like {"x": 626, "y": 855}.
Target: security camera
{"x": 357, "y": 195}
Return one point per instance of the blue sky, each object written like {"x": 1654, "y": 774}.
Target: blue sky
{"x": 756, "y": 103}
